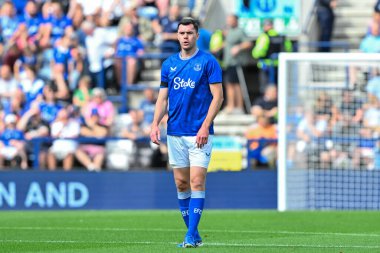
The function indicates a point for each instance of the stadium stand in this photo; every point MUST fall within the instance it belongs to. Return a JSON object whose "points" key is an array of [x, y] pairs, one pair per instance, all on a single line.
{"points": [[70, 46]]}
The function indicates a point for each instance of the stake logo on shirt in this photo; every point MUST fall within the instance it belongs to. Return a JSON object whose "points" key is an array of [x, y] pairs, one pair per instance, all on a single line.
{"points": [[181, 83]]}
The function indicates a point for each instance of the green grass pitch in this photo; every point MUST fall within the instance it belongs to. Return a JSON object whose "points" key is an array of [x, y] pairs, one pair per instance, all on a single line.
{"points": [[159, 231]]}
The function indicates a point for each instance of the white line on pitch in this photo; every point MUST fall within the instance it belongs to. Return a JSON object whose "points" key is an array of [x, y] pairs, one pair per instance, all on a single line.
{"points": [[204, 230], [247, 245]]}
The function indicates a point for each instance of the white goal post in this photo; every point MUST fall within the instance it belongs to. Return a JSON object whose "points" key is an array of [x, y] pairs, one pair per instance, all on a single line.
{"points": [[329, 128]]}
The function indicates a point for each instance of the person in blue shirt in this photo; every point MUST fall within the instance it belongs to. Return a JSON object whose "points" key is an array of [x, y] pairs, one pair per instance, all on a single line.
{"points": [[29, 26], [166, 28], [8, 22], [12, 142], [203, 43], [56, 26], [147, 106], [49, 107], [191, 92], [129, 46], [30, 86]]}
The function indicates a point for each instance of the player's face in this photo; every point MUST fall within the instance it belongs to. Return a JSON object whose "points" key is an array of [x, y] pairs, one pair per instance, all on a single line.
{"points": [[187, 36]]}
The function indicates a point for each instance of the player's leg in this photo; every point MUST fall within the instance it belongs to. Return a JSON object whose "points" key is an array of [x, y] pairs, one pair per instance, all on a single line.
{"points": [[179, 161], [196, 204], [182, 182], [199, 160]]}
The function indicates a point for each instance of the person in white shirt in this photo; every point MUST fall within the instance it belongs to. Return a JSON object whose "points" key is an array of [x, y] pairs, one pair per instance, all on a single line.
{"points": [[63, 149], [8, 84]]}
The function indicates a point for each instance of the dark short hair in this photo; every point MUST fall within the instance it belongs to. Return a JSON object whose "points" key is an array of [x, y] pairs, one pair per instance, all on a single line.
{"points": [[189, 21]]}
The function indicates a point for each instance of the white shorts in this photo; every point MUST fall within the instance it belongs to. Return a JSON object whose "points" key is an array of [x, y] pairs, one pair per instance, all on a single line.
{"points": [[184, 153], [62, 148]]}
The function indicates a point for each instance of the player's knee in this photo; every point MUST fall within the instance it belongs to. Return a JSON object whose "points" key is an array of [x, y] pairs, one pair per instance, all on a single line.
{"points": [[182, 185], [198, 183]]}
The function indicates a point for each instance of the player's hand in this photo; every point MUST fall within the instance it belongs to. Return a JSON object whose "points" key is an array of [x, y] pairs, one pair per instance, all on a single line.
{"points": [[155, 135], [202, 137]]}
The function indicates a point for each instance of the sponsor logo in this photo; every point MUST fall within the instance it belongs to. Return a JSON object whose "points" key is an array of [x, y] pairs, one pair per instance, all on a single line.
{"points": [[185, 213], [181, 83], [173, 69], [197, 210], [197, 67]]}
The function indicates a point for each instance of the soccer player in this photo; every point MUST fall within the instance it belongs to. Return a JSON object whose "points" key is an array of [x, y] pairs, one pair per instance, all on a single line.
{"points": [[191, 92]]}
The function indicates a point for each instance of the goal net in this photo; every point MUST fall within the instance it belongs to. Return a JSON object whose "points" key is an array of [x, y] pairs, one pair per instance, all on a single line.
{"points": [[329, 125]]}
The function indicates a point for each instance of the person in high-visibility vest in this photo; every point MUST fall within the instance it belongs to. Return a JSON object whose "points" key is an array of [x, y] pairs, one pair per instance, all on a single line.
{"points": [[267, 46]]}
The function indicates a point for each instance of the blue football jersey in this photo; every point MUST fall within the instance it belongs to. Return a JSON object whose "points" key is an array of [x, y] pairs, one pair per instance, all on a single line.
{"points": [[128, 46], [189, 94]]}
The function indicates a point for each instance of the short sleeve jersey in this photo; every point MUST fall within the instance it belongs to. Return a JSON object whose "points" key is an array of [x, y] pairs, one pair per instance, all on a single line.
{"points": [[189, 94], [128, 46]]}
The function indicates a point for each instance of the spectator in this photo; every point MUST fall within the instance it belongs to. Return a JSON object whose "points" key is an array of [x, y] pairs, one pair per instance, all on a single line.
{"points": [[76, 13], [267, 105], [8, 84], [309, 130], [128, 46], [98, 43], [8, 22], [48, 106], [30, 86], [15, 105], [134, 131], [76, 63], [235, 43], [142, 26], [375, 20], [216, 45], [160, 152], [203, 42], [56, 26], [83, 93], [28, 32], [62, 149], [32, 124], [165, 29], [370, 43], [373, 88], [27, 57], [147, 106], [350, 106], [12, 143], [261, 150], [324, 106], [326, 16], [371, 117], [105, 107], [92, 155], [364, 152], [267, 45], [149, 9], [90, 9]]}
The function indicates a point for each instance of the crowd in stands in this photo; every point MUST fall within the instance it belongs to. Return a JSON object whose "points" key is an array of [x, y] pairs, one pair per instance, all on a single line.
{"points": [[341, 129], [61, 60]]}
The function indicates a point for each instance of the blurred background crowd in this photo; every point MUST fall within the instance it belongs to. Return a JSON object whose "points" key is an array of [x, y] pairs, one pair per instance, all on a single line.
{"points": [[62, 61]]}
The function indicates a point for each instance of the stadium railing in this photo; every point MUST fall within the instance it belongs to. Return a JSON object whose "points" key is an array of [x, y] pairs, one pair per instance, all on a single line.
{"points": [[37, 144]]}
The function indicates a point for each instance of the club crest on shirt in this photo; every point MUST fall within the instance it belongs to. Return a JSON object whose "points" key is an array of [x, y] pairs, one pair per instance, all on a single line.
{"points": [[197, 67]]}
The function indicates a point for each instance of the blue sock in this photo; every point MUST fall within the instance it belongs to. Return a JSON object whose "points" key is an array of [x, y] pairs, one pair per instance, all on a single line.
{"points": [[195, 211], [184, 200]]}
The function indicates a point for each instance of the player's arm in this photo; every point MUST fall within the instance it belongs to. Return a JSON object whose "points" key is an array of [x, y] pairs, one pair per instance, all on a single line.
{"points": [[159, 112], [216, 103]]}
